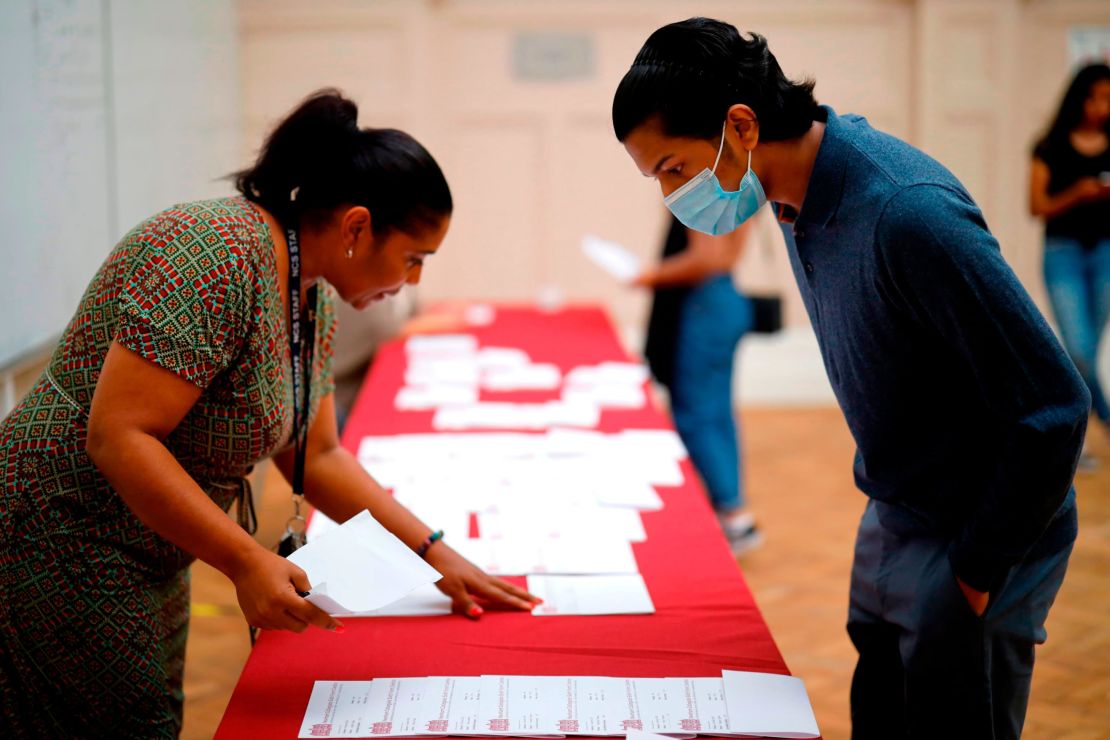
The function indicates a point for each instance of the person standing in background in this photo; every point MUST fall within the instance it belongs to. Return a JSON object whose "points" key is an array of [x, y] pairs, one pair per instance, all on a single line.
{"points": [[697, 319], [1070, 189]]}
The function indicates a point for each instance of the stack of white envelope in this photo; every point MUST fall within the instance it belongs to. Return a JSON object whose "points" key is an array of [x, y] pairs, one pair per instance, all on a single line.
{"points": [[447, 374], [738, 703]]}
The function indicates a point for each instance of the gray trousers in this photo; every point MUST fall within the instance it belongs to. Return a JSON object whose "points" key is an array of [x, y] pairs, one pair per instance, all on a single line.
{"points": [[928, 666]]}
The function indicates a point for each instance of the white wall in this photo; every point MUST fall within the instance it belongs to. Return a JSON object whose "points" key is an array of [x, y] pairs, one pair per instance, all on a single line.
{"points": [[110, 110]]}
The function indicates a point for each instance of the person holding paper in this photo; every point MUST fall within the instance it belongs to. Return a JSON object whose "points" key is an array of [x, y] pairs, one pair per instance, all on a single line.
{"points": [[967, 413], [697, 320], [181, 369]]}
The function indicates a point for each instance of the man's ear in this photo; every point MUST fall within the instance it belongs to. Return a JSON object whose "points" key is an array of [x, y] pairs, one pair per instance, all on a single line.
{"points": [[744, 124]]}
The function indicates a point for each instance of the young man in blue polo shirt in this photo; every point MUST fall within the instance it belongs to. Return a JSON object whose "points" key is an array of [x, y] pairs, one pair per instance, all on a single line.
{"points": [[967, 414]]}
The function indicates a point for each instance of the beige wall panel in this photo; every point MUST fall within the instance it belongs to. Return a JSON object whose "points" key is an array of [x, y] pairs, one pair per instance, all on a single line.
{"points": [[596, 190], [860, 67], [286, 65], [533, 164], [496, 242]]}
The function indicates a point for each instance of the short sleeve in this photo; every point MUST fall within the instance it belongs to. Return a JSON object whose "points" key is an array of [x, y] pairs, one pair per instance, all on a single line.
{"points": [[186, 305], [1043, 151]]}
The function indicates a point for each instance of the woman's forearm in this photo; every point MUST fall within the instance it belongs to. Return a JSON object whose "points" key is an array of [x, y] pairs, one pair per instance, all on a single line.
{"points": [[336, 484], [165, 498], [686, 268]]}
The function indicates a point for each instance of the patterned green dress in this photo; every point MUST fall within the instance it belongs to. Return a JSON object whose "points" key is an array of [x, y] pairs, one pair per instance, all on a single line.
{"points": [[94, 606]]}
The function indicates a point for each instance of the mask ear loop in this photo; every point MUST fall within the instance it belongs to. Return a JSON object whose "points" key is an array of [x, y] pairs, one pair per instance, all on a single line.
{"points": [[721, 149]]}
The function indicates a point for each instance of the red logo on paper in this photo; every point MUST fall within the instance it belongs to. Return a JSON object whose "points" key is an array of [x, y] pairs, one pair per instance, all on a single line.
{"points": [[568, 725], [320, 730], [381, 728], [437, 725], [632, 724], [693, 725], [499, 725]]}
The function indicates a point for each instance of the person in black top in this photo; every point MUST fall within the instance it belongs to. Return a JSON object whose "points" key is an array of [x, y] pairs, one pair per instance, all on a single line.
{"points": [[697, 320], [1070, 190]]}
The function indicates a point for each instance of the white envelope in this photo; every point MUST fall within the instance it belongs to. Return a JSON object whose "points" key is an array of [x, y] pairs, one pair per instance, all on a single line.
{"points": [[360, 566]]}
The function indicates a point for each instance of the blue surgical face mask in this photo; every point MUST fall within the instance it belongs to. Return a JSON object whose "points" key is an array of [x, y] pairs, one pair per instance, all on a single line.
{"points": [[703, 205]]}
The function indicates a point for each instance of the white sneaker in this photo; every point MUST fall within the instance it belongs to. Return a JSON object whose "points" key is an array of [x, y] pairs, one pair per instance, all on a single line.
{"points": [[1088, 463], [741, 532]]}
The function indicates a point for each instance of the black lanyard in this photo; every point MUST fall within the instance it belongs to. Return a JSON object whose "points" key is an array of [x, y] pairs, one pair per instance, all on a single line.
{"points": [[302, 346]]}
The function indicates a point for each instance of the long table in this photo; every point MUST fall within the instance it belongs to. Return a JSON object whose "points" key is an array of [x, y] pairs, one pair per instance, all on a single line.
{"points": [[706, 618]]}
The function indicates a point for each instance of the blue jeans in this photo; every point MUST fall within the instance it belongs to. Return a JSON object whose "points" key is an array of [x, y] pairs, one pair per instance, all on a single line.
{"points": [[714, 317], [1078, 282]]}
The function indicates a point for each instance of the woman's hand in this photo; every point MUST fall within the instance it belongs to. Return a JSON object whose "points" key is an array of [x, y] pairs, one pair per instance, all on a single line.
{"points": [[645, 279], [1087, 188], [266, 585], [462, 581]]}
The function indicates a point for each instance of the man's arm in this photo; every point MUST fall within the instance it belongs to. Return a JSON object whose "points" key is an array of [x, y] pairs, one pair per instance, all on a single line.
{"points": [[950, 275]]}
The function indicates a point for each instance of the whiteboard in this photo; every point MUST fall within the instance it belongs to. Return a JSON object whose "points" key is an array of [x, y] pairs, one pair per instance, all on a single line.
{"points": [[110, 111]]}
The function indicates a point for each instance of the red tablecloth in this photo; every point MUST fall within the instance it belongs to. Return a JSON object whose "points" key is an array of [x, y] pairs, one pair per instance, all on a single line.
{"points": [[705, 620]]}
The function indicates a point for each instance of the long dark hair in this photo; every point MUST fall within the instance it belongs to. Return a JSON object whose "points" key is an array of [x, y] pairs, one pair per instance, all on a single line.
{"points": [[319, 152], [1070, 113], [691, 72]]}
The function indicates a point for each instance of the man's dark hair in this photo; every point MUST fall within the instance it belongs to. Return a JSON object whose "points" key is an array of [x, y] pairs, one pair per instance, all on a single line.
{"points": [[688, 74]]}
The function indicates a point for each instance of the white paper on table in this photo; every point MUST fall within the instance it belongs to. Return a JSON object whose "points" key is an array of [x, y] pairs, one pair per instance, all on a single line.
{"points": [[389, 473], [520, 705], [654, 704], [441, 345], [502, 415], [546, 518], [605, 594], [384, 707], [608, 396], [658, 471], [768, 704], [425, 397], [560, 442], [518, 556], [538, 377], [653, 442], [619, 373], [591, 705], [631, 494], [360, 566], [703, 701], [337, 709], [453, 519], [458, 493], [426, 601], [611, 257], [489, 358], [451, 705], [479, 314], [449, 371]]}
